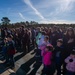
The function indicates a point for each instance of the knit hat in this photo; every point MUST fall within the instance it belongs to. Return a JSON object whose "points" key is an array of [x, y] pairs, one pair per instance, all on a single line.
{"points": [[50, 47], [60, 40]]}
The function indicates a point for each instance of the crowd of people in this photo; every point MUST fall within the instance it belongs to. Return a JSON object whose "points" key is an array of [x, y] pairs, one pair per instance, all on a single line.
{"points": [[55, 46]]}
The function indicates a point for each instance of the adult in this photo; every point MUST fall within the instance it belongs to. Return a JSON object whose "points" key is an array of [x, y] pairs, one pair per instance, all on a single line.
{"points": [[69, 44], [26, 41], [54, 36], [69, 41]]}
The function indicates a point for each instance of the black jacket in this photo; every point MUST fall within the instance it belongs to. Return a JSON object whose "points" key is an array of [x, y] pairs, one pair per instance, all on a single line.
{"points": [[59, 54]]}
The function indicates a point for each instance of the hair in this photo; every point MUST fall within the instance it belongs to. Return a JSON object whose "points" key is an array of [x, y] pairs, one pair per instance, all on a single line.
{"points": [[50, 48], [70, 29], [43, 33], [5, 38], [60, 40], [22, 26], [47, 37], [55, 27], [10, 36]]}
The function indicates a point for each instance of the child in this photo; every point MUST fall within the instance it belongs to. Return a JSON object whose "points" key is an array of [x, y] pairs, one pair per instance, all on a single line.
{"points": [[58, 55], [44, 44], [4, 48], [10, 52], [42, 47], [47, 56], [70, 60]]}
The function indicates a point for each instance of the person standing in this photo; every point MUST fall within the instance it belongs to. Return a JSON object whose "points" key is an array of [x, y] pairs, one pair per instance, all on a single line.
{"points": [[10, 52], [58, 54]]}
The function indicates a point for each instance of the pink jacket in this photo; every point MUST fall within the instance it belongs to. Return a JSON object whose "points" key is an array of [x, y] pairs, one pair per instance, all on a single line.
{"points": [[43, 46], [47, 58]]}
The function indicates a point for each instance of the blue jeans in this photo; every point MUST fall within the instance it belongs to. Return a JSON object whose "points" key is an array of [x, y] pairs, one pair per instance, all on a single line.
{"points": [[58, 66]]}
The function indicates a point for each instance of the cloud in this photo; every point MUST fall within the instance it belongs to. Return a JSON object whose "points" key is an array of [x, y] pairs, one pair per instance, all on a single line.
{"points": [[58, 22], [64, 6], [58, 10], [21, 15], [55, 7], [34, 9], [54, 11]]}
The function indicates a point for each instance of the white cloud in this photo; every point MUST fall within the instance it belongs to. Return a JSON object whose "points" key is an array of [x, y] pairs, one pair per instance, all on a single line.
{"points": [[58, 22], [53, 10], [21, 15], [46, 3], [61, 9], [65, 5], [56, 7], [34, 9]]}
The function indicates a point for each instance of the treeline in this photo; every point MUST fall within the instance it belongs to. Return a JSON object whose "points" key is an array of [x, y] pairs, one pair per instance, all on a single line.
{"points": [[5, 22], [16, 25]]}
